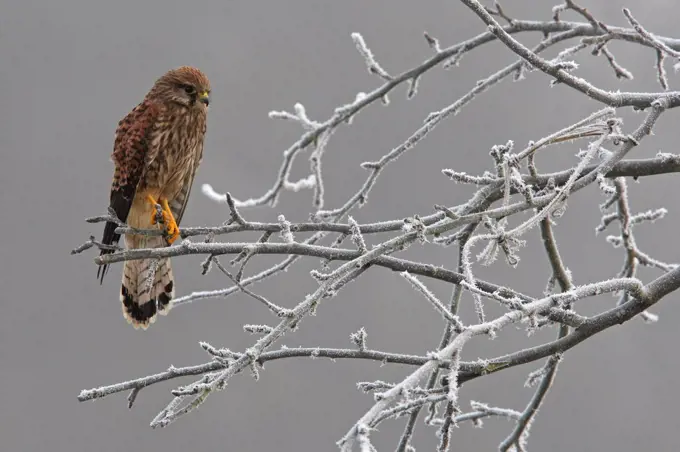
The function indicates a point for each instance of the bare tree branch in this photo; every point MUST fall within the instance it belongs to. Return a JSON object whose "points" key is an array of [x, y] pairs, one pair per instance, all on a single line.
{"points": [[512, 185]]}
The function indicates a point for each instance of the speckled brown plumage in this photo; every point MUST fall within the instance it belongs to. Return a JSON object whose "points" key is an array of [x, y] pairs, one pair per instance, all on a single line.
{"points": [[157, 150]]}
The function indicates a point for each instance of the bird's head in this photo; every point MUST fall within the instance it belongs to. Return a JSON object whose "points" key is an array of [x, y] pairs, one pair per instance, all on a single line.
{"points": [[186, 86]]}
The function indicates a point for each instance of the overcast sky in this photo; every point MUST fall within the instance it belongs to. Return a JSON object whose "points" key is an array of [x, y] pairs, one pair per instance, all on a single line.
{"points": [[71, 69]]}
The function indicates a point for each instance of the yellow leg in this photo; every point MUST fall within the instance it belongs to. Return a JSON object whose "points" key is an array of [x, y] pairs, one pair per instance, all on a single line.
{"points": [[171, 228]]}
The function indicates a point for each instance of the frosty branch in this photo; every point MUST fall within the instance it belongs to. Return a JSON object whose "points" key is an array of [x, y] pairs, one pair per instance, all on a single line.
{"points": [[513, 185]]}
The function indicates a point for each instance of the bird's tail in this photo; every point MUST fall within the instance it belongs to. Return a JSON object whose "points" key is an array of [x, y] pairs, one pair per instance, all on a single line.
{"points": [[148, 284]]}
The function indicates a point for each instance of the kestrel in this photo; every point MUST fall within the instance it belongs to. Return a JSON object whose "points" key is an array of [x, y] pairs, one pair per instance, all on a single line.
{"points": [[157, 150]]}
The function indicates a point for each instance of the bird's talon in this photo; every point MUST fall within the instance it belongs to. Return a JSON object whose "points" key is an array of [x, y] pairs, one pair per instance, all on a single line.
{"points": [[171, 233], [171, 230], [154, 214]]}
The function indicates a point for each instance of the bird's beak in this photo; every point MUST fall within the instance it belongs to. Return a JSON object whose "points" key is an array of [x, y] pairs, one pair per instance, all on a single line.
{"points": [[204, 97]]}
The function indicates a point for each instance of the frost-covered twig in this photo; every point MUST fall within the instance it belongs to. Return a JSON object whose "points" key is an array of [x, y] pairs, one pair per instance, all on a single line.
{"points": [[346, 112], [633, 255], [519, 435], [455, 321], [377, 245], [642, 296], [639, 100], [548, 372]]}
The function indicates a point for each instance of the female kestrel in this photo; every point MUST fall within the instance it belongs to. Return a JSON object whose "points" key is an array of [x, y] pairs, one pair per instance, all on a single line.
{"points": [[157, 150]]}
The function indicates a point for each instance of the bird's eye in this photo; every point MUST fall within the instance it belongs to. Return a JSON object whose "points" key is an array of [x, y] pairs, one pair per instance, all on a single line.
{"points": [[188, 89]]}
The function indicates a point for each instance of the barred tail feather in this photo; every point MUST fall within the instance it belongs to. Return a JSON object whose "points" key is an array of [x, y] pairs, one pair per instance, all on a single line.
{"points": [[148, 286]]}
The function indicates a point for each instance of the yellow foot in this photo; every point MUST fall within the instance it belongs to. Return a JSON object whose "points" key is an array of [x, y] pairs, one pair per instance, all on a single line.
{"points": [[168, 220]]}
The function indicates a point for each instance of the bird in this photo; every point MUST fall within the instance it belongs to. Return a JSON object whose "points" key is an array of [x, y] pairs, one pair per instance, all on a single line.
{"points": [[157, 149]]}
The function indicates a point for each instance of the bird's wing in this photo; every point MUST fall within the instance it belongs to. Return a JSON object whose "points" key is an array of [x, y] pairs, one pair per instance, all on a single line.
{"points": [[133, 150]]}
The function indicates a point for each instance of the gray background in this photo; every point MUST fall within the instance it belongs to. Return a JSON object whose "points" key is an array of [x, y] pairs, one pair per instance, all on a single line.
{"points": [[71, 69]]}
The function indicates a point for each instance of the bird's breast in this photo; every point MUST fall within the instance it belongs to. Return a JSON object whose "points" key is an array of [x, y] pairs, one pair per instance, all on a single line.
{"points": [[179, 148]]}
